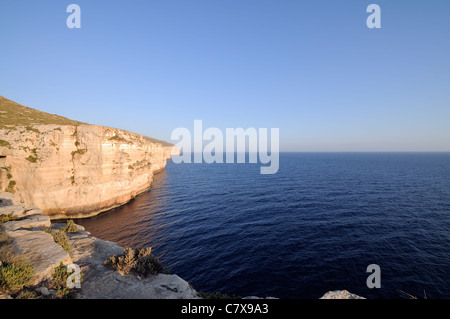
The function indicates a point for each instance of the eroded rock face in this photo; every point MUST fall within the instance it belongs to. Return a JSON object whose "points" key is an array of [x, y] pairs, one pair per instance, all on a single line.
{"points": [[76, 171]]}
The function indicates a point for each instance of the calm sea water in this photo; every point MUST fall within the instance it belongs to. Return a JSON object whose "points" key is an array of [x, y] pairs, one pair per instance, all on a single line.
{"points": [[313, 227]]}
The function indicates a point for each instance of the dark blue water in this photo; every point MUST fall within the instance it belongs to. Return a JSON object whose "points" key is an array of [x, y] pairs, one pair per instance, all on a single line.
{"points": [[313, 227]]}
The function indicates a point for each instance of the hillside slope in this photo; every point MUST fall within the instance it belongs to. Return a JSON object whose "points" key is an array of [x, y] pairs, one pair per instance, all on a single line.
{"points": [[14, 114]]}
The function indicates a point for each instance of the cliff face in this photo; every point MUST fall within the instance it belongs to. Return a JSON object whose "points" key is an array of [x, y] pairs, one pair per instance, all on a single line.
{"points": [[77, 170]]}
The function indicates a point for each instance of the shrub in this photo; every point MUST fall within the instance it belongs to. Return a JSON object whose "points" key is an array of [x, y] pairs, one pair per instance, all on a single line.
{"points": [[5, 143], [138, 261], [15, 276], [10, 188], [60, 237], [79, 151], [32, 129], [123, 263], [28, 294], [32, 159], [59, 280], [148, 265], [14, 272], [7, 218], [118, 139], [70, 227], [59, 283]]}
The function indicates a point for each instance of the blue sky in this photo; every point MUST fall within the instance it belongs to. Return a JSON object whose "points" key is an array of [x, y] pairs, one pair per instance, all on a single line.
{"points": [[310, 68]]}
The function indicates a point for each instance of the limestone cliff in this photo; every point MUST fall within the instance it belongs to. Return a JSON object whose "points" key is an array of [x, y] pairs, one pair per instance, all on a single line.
{"points": [[75, 169]]}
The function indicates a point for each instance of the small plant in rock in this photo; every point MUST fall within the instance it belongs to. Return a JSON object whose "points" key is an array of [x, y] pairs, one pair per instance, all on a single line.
{"points": [[59, 283], [28, 294], [147, 264], [10, 188], [136, 261], [14, 276], [15, 273], [32, 129], [32, 159], [5, 143], [79, 151], [60, 237], [70, 227], [7, 218], [123, 263]]}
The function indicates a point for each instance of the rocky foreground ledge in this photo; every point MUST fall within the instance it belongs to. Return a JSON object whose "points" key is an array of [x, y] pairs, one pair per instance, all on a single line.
{"points": [[27, 230], [38, 248]]}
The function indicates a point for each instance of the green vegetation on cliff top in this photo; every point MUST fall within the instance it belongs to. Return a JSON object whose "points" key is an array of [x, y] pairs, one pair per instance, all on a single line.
{"points": [[15, 114], [154, 140]]}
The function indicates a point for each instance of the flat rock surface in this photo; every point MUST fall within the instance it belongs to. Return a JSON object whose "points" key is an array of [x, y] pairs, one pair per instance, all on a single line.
{"points": [[33, 221], [39, 249], [8, 199], [19, 210], [15, 210], [100, 282], [111, 285]]}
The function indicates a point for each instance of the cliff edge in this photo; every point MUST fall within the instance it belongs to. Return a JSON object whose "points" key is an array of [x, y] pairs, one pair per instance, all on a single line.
{"points": [[71, 169], [28, 236]]}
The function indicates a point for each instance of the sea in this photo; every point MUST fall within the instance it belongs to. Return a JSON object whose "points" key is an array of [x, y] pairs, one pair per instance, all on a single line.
{"points": [[314, 226]]}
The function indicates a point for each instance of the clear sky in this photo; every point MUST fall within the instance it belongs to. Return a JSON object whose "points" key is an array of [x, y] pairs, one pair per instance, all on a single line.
{"points": [[313, 69]]}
